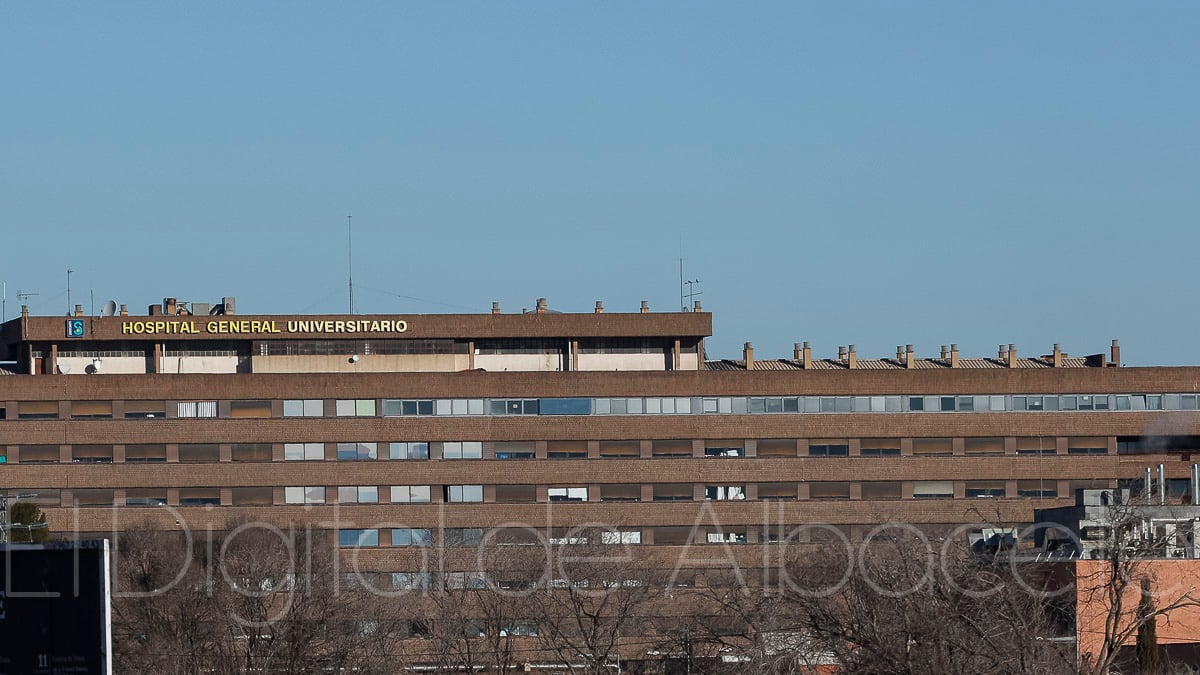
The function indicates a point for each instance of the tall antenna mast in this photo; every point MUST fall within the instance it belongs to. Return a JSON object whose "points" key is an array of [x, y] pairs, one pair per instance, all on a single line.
{"points": [[69, 273], [682, 307], [350, 260], [3, 301]]}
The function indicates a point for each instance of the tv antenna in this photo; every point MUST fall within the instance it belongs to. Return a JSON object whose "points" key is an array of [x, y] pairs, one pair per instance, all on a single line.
{"points": [[22, 296], [685, 298], [69, 273], [350, 260]]}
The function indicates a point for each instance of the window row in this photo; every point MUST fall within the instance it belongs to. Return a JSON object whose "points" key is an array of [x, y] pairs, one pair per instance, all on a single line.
{"points": [[1048, 488], [695, 405], [628, 449]]}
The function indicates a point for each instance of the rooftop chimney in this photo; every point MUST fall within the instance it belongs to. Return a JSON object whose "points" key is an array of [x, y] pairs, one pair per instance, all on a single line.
{"points": [[945, 353], [909, 358], [841, 353], [124, 309], [900, 353], [1116, 354], [851, 358], [1000, 353], [169, 306], [495, 308], [1012, 355], [78, 310], [953, 355], [541, 305], [645, 307], [154, 310], [807, 360], [1058, 356], [797, 351], [748, 355], [695, 305], [599, 307]]}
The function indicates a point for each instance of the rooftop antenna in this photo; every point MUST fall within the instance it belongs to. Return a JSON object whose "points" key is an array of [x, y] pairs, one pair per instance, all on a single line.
{"points": [[3, 301], [69, 273], [22, 296], [350, 260]]}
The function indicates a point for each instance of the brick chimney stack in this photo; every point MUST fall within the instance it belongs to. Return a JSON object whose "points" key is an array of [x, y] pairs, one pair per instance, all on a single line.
{"points": [[541, 305], [124, 310], [841, 353], [910, 360], [695, 305], [599, 307], [851, 358], [495, 308], [1058, 356], [953, 355], [900, 353], [1116, 354], [748, 355], [1000, 353], [807, 362], [78, 310], [645, 307], [1012, 355], [945, 353]]}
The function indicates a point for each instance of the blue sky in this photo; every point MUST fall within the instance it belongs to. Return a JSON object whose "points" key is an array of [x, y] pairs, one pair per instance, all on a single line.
{"points": [[867, 173]]}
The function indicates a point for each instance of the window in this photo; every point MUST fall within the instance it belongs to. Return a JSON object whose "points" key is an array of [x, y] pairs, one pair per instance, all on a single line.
{"points": [[410, 494], [828, 448], [92, 454], [398, 407], [91, 410], [409, 450], [355, 452], [725, 492], [725, 537], [672, 492], [462, 450], [240, 409], [621, 537], [1036, 446], [1087, 445], [304, 408], [463, 493], [252, 496], [1037, 488], [880, 447], [144, 453], [303, 451], [462, 580], [566, 449], [983, 446], [932, 446], [776, 447], [829, 490], [39, 454], [933, 489], [621, 493], [304, 495], [358, 538], [625, 449], [985, 489], [210, 496], [37, 410], [463, 536], [515, 406], [411, 581], [144, 409], [358, 494], [565, 406], [355, 407], [146, 497], [251, 452], [880, 489], [199, 452], [724, 452], [206, 409], [517, 450], [516, 494], [567, 494], [777, 491], [93, 497], [412, 536]]}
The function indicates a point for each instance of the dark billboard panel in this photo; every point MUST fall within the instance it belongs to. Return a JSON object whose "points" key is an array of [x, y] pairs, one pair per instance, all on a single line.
{"points": [[55, 609]]}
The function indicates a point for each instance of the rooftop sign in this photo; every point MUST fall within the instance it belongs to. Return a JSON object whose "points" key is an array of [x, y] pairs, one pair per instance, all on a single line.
{"points": [[256, 327]]}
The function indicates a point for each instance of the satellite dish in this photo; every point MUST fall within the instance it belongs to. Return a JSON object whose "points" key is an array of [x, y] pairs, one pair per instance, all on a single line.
{"points": [[64, 369], [110, 308]]}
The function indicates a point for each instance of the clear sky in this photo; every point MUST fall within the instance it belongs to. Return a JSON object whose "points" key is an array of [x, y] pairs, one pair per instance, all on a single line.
{"points": [[867, 173]]}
